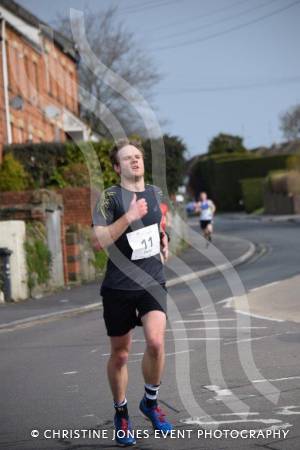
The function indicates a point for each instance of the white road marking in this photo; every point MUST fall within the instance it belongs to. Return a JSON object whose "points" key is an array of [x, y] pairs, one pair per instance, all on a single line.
{"points": [[283, 426], [166, 354], [64, 300], [198, 421], [264, 286], [216, 328], [203, 320], [240, 341], [258, 316], [95, 350], [73, 372], [89, 415], [202, 314], [219, 391], [184, 339], [132, 354], [264, 380], [288, 410], [225, 300]]}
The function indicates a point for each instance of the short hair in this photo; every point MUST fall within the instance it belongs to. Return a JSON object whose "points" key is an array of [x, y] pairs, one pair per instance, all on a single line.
{"points": [[119, 144]]}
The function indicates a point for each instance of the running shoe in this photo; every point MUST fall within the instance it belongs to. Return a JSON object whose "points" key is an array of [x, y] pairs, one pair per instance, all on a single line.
{"points": [[123, 430], [156, 416]]}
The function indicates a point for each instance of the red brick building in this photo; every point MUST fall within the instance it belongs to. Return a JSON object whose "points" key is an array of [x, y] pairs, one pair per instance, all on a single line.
{"points": [[38, 81]]}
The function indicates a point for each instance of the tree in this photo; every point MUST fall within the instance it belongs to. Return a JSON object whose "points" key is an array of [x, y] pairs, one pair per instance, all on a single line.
{"points": [[115, 47], [175, 150], [226, 143], [290, 122]]}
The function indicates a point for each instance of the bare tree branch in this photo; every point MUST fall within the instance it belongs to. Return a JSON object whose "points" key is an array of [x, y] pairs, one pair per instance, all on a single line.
{"points": [[290, 123], [118, 50]]}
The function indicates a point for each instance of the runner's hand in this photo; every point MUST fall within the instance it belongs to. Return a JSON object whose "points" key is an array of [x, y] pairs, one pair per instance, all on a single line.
{"points": [[165, 247], [137, 209]]}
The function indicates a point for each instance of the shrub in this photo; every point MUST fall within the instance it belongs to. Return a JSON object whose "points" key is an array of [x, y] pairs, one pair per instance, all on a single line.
{"points": [[51, 164], [293, 162], [13, 176], [74, 174], [284, 182], [252, 190], [38, 256], [100, 261]]}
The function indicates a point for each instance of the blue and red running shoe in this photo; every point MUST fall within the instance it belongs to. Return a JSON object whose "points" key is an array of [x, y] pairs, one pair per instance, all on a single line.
{"points": [[156, 416], [124, 434]]}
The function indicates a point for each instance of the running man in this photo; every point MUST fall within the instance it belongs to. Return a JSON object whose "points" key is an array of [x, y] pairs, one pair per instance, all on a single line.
{"points": [[207, 209], [127, 220]]}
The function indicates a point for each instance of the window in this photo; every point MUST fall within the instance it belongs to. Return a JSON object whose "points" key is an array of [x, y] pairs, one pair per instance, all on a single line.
{"points": [[14, 69], [35, 77], [27, 77]]}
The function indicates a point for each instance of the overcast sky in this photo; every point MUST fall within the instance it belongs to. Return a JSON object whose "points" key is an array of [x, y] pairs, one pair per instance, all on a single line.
{"points": [[230, 66]]}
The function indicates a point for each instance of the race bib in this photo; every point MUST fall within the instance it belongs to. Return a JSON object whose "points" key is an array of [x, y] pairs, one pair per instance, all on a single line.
{"points": [[144, 242]]}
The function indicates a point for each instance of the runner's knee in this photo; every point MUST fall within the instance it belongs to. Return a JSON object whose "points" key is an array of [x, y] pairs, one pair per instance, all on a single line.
{"points": [[119, 357], [155, 345]]}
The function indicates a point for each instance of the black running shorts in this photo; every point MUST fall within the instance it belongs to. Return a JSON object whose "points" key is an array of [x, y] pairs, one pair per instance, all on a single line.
{"points": [[204, 223], [123, 309]]}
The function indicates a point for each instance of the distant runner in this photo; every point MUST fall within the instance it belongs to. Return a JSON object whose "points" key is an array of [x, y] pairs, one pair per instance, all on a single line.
{"points": [[207, 209]]}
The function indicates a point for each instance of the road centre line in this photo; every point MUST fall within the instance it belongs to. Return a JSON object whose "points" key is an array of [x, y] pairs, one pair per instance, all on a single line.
{"points": [[201, 313], [73, 372], [288, 410], [264, 380], [166, 354], [257, 316], [203, 320], [184, 339], [215, 328], [239, 341]]}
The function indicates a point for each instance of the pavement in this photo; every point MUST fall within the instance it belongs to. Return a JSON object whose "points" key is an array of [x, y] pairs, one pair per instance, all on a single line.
{"points": [[80, 299], [295, 218], [278, 301]]}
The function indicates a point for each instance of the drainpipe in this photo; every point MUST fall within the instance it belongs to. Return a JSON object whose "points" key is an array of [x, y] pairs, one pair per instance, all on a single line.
{"points": [[5, 81]]}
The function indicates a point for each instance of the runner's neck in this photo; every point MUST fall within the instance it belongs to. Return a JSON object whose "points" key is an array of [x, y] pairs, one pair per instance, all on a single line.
{"points": [[134, 186]]}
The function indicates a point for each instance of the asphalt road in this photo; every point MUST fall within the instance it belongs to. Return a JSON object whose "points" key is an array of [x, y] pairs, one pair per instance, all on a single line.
{"points": [[225, 372]]}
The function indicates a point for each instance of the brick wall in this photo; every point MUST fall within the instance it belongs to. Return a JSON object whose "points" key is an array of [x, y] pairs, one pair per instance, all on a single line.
{"points": [[77, 205], [76, 211], [41, 79]]}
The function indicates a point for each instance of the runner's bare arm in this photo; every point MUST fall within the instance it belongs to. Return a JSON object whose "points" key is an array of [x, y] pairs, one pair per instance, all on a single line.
{"points": [[164, 246], [213, 206], [107, 234]]}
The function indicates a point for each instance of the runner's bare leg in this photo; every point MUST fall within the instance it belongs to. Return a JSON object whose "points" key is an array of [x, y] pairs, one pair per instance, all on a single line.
{"points": [[154, 324], [117, 365]]}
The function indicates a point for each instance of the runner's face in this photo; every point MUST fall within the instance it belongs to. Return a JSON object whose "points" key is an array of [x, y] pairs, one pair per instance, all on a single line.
{"points": [[131, 163]]}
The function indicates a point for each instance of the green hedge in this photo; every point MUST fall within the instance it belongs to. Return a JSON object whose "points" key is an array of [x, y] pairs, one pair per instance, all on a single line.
{"points": [[48, 163], [203, 172], [252, 191], [220, 177]]}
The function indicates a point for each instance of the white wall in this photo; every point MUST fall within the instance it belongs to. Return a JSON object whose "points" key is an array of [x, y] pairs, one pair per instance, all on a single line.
{"points": [[12, 236]]}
